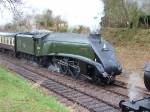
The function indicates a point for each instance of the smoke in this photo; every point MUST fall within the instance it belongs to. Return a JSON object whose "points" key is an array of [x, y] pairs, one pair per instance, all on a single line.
{"points": [[133, 91], [33, 21], [77, 12]]}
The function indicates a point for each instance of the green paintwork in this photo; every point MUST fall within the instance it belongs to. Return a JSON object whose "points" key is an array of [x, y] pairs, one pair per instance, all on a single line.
{"points": [[25, 44], [68, 48], [67, 44], [39, 47]]}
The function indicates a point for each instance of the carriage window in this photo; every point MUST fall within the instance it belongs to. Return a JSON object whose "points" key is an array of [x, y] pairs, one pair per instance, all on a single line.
{"points": [[4, 40], [7, 41], [13, 41], [10, 41], [1, 39]]}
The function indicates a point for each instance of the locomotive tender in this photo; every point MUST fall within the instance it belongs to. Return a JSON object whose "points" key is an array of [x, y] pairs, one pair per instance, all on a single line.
{"points": [[67, 53]]}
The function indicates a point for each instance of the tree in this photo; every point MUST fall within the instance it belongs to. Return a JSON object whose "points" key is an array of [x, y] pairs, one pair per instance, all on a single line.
{"points": [[11, 5], [122, 13], [49, 22], [81, 29], [60, 25], [114, 14], [45, 20]]}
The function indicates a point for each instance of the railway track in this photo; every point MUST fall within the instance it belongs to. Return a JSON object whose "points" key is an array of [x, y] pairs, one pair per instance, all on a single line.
{"points": [[91, 103], [81, 91]]}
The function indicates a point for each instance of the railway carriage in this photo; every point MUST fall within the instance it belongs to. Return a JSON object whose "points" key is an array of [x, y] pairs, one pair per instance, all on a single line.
{"points": [[69, 53], [7, 41]]}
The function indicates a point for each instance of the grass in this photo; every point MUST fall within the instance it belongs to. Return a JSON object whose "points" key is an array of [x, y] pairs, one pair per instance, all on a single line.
{"points": [[16, 95], [126, 36]]}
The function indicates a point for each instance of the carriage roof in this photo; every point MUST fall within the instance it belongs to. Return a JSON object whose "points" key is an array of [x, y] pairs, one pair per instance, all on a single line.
{"points": [[7, 34]]}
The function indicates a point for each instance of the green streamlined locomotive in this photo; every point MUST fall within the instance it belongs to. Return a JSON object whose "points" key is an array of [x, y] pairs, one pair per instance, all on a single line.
{"points": [[67, 53]]}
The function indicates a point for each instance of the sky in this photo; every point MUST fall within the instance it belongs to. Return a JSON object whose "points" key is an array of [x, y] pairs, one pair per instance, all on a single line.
{"points": [[76, 12]]}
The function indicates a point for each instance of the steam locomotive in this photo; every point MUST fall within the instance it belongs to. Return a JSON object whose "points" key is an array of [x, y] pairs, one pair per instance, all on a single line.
{"points": [[141, 105], [66, 53]]}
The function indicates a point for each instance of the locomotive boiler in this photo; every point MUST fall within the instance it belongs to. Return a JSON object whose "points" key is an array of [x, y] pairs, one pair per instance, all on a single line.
{"points": [[66, 53]]}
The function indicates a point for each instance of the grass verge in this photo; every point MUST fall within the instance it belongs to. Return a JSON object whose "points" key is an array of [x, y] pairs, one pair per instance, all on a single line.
{"points": [[16, 95]]}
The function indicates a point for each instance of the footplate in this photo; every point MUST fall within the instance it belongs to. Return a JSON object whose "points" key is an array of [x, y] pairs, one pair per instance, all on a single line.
{"points": [[142, 105]]}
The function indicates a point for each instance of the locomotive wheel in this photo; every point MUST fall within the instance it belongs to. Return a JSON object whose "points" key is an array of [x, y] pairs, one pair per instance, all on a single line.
{"points": [[54, 68], [58, 66], [95, 78], [147, 80], [107, 80], [74, 72], [63, 69], [111, 80]]}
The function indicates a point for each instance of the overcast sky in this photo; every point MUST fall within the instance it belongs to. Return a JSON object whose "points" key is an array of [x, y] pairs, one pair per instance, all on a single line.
{"points": [[76, 12]]}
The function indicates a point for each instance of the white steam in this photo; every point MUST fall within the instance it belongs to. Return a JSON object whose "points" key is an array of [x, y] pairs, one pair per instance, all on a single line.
{"points": [[33, 21], [133, 91], [76, 12]]}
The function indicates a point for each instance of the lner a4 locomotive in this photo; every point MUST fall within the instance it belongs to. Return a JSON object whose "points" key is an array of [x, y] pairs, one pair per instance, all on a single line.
{"points": [[67, 53]]}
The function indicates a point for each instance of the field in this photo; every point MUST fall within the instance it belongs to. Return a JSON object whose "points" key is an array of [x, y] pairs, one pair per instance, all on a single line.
{"points": [[16, 95]]}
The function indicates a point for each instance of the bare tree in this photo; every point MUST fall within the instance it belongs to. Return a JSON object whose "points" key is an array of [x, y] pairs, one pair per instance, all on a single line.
{"points": [[125, 11], [81, 29], [11, 5]]}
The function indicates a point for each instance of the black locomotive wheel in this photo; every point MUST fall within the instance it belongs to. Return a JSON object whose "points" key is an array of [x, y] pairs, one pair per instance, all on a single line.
{"points": [[64, 66], [58, 66], [111, 80], [74, 71], [147, 80], [108, 80], [96, 79], [63, 69]]}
